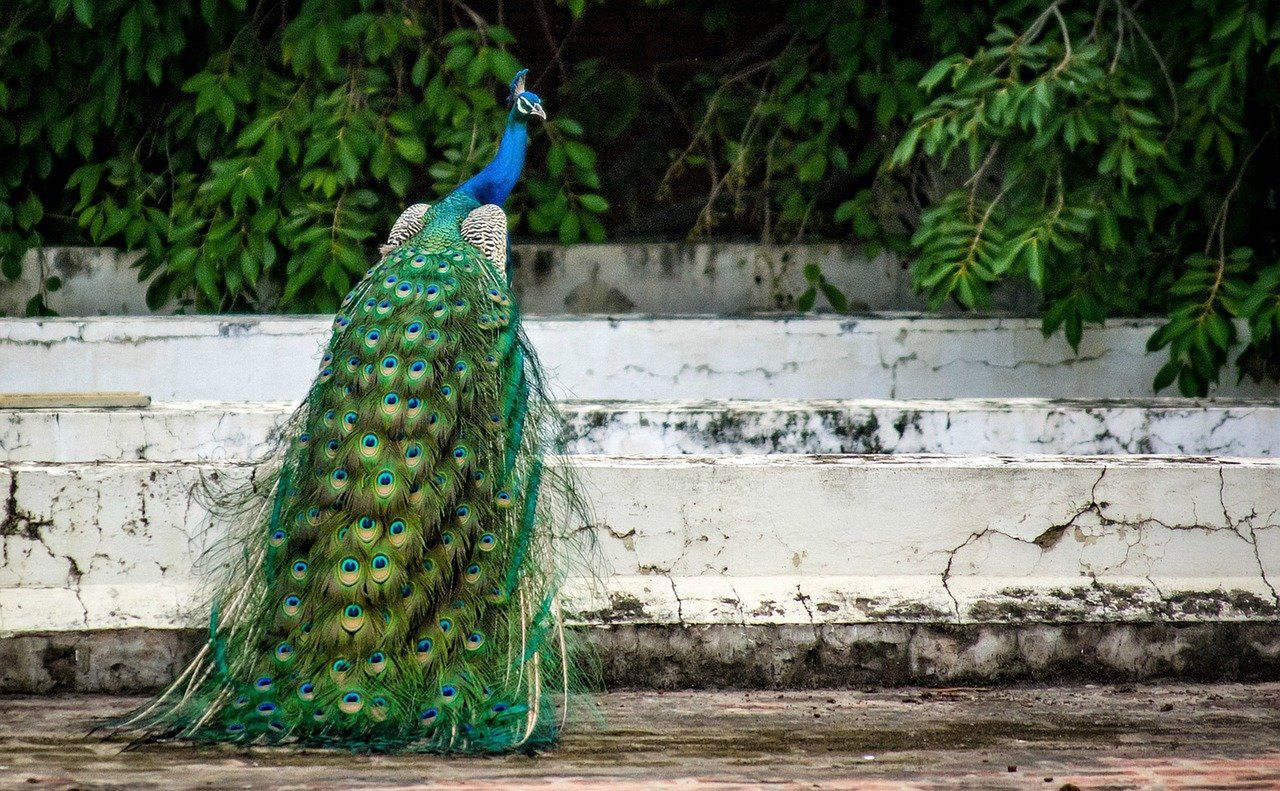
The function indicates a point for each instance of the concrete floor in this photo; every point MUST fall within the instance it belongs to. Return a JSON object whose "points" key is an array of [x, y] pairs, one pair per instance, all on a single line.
{"points": [[1160, 736]]}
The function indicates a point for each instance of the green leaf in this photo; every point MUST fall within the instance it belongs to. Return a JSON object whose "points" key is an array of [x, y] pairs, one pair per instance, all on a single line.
{"points": [[412, 149], [812, 168], [1220, 331], [1073, 329], [84, 11], [593, 203], [835, 296], [1165, 376], [804, 303], [570, 229], [11, 266], [1189, 384], [936, 73], [580, 154], [207, 278], [459, 57], [568, 126]]}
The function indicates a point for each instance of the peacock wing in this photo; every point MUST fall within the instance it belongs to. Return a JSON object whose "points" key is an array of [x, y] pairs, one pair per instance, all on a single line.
{"points": [[485, 227], [406, 226]]}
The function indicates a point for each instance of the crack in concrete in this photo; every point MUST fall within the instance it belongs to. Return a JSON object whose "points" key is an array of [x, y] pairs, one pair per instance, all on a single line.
{"points": [[17, 522], [1052, 535]]}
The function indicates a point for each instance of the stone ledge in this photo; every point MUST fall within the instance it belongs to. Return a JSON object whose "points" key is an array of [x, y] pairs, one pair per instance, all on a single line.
{"points": [[198, 431], [247, 358], [764, 540], [671, 657]]}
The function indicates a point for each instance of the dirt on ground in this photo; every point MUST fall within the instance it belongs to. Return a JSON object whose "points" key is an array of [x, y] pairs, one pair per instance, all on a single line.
{"points": [[1176, 736]]}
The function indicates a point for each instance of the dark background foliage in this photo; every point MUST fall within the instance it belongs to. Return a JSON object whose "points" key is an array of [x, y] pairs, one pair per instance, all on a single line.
{"points": [[1117, 155]]}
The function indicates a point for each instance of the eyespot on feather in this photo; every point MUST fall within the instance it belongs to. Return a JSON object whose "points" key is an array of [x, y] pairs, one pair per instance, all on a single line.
{"points": [[367, 529], [380, 568], [385, 483], [353, 618], [397, 533], [349, 571], [351, 702], [422, 649]]}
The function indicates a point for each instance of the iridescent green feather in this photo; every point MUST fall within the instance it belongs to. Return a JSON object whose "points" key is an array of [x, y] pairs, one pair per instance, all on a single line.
{"points": [[397, 587]]}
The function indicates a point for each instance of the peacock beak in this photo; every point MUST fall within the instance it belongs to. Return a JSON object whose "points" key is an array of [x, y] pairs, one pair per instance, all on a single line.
{"points": [[538, 111]]}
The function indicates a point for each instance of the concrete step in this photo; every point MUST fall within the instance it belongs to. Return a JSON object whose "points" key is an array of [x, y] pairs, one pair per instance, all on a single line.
{"points": [[195, 431], [740, 541], [639, 358]]}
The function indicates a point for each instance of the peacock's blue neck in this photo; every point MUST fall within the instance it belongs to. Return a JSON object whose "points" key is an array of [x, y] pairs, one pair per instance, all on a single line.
{"points": [[499, 177]]}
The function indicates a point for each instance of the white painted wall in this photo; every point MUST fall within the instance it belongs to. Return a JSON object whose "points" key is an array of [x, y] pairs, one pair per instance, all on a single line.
{"points": [[908, 356], [196, 431], [766, 539]]}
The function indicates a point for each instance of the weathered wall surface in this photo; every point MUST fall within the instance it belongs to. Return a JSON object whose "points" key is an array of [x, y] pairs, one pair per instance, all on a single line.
{"points": [[889, 570], [631, 277], [92, 281], [264, 359], [726, 279], [667, 657], [196, 431], [764, 540]]}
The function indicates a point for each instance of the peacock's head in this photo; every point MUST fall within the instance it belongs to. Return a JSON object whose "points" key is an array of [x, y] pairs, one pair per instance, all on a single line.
{"points": [[524, 103]]}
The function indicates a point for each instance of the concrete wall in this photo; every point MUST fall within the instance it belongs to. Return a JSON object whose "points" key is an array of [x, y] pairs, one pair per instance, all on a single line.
{"points": [[553, 279], [907, 356], [743, 541], [726, 278], [196, 431], [94, 281]]}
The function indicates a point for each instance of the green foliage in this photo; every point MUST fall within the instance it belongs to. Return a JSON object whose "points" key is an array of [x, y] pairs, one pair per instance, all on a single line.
{"points": [[1113, 155], [1104, 148], [818, 284], [255, 149]]}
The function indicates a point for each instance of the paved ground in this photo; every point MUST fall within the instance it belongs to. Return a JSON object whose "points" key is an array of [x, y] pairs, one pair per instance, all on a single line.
{"points": [[1163, 736]]}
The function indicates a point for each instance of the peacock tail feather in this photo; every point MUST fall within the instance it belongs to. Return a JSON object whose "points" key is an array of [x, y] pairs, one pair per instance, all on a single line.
{"points": [[397, 584]]}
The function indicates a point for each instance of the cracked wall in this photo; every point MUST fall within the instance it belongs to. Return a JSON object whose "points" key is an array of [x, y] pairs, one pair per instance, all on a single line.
{"points": [[769, 540], [199, 431], [903, 356]]}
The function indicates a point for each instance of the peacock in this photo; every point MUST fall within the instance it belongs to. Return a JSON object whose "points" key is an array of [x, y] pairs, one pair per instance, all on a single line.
{"points": [[396, 580]]}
